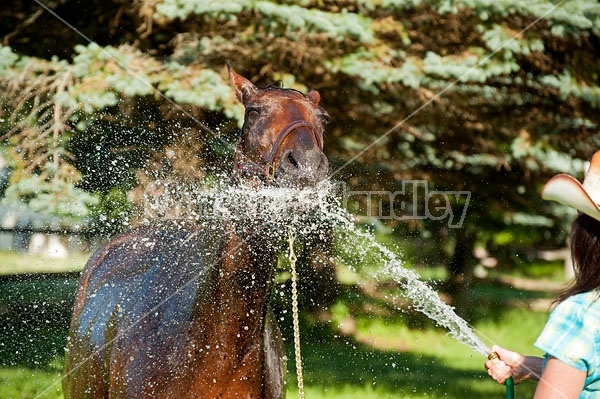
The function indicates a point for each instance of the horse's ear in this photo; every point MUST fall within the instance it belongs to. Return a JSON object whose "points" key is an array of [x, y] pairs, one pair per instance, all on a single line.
{"points": [[314, 96], [244, 89]]}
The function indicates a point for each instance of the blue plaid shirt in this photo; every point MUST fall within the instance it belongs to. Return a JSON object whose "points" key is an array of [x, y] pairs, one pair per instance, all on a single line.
{"points": [[572, 335]]}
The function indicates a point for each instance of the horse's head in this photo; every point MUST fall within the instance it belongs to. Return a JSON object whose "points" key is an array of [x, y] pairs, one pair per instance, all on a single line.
{"points": [[282, 137]]}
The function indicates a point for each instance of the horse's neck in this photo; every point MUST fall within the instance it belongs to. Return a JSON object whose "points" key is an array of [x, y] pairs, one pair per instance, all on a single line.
{"points": [[241, 280], [230, 317]]}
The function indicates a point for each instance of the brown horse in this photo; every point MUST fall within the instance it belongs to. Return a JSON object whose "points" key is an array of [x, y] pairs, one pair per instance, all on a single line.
{"points": [[181, 310]]}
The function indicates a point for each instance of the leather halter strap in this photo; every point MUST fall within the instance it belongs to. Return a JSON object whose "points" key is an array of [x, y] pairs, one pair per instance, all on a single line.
{"points": [[289, 129], [244, 165]]}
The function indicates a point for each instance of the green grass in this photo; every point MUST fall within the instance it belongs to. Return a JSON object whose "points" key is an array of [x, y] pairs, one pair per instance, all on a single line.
{"points": [[34, 316], [402, 355], [391, 353], [549, 270], [31, 351], [14, 262], [390, 360], [22, 383]]}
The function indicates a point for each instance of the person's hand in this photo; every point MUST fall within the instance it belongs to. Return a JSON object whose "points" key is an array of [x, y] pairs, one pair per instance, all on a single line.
{"points": [[507, 365]]}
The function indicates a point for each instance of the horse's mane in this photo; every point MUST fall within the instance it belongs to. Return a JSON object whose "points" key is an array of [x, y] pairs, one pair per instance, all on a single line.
{"points": [[278, 85]]}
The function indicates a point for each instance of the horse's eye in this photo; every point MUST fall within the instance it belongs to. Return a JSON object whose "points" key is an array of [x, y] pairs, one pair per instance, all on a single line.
{"points": [[252, 112]]}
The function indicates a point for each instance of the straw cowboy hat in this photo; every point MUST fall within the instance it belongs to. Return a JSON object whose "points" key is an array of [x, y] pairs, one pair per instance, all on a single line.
{"points": [[583, 197]]}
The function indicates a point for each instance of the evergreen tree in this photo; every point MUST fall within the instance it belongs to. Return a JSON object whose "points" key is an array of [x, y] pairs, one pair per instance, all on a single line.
{"points": [[490, 97]]}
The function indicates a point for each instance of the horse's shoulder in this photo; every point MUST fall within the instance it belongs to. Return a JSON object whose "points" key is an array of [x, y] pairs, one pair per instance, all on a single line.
{"points": [[148, 264]]}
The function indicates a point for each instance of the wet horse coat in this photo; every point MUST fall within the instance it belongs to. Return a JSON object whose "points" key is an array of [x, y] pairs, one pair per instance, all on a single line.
{"points": [[181, 309]]}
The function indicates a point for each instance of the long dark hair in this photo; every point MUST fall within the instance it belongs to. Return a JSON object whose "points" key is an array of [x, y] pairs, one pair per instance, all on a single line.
{"points": [[585, 253]]}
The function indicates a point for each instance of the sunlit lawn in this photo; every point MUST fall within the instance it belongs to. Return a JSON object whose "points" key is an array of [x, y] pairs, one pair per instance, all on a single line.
{"points": [[13, 262], [385, 358], [386, 355]]}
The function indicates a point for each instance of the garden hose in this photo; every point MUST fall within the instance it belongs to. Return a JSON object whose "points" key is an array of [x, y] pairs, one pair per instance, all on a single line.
{"points": [[509, 383]]}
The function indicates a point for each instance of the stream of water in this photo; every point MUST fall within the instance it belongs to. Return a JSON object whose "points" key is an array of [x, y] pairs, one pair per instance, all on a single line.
{"points": [[423, 298], [279, 206]]}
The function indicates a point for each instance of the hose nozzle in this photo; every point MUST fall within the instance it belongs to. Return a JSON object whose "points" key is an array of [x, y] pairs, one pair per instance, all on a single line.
{"points": [[509, 383]]}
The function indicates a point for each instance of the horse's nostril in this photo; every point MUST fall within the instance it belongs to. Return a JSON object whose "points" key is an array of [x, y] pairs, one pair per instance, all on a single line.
{"points": [[302, 168], [292, 160]]}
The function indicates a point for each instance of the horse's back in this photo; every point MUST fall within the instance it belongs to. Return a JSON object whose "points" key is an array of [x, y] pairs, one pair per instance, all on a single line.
{"points": [[135, 297]]}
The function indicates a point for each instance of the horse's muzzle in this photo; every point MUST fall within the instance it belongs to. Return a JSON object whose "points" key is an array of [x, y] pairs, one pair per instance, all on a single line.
{"points": [[303, 167]]}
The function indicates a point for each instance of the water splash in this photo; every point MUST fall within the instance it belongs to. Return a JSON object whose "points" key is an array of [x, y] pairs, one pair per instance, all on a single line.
{"points": [[424, 299], [282, 206], [219, 199]]}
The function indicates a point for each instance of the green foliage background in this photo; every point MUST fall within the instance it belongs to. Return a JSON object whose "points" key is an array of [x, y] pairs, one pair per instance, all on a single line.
{"points": [[492, 97]]}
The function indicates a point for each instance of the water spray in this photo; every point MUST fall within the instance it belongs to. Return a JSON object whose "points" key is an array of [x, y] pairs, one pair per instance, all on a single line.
{"points": [[246, 205], [424, 298]]}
